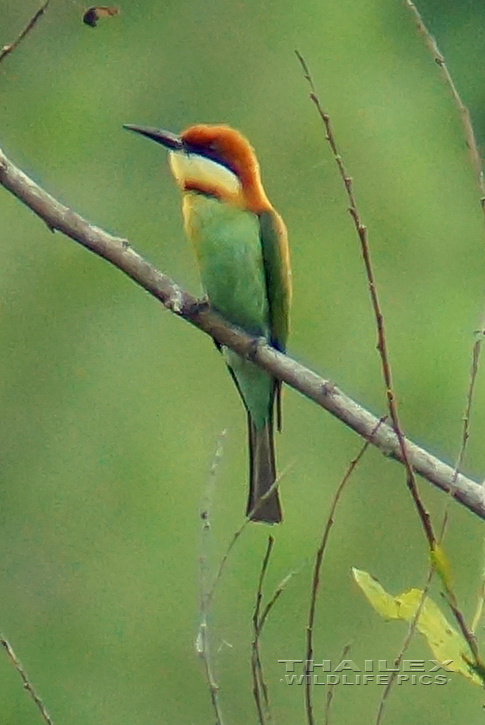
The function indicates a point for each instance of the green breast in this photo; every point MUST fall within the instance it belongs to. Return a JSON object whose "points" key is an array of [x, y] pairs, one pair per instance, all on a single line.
{"points": [[228, 247]]}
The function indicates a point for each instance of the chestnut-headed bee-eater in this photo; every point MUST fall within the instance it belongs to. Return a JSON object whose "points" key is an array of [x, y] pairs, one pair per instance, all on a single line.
{"points": [[241, 247]]}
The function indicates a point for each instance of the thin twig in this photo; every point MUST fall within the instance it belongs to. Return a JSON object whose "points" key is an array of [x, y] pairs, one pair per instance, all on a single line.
{"points": [[118, 252], [203, 650], [237, 534], [210, 591], [466, 426], [274, 598], [28, 687], [206, 506], [465, 429], [361, 230], [406, 642], [469, 401], [257, 676], [450, 597], [477, 165], [479, 609], [331, 689], [385, 365], [413, 623], [259, 620], [463, 110], [202, 643], [480, 604], [460, 619], [7, 49], [316, 575]]}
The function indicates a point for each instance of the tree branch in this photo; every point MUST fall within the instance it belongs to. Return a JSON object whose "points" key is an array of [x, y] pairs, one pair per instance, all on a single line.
{"points": [[382, 346], [28, 687], [118, 252], [7, 49]]}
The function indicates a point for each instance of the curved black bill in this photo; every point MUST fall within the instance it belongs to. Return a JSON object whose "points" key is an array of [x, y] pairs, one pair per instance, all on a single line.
{"points": [[166, 138]]}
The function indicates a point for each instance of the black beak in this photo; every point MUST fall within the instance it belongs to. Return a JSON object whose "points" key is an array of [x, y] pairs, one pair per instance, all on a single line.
{"points": [[166, 138]]}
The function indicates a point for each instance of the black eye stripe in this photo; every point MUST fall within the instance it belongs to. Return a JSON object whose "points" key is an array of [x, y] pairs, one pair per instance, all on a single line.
{"points": [[208, 154]]}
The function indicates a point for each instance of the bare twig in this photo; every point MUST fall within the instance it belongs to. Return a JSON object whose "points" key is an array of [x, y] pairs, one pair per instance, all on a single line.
{"points": [[331, 689], [406, 642], [28, 687], [477, 166], [118, 252], [466, 425], [202, 643], [257, 676], [274, 598], [361, 230], [462, 109], [259, 620], [236, 535], [413, 624], [479, 609], [316, 575], [206, 505], [7, 49], [469, 400], [460, 620], [203, 650], [480, 604]]}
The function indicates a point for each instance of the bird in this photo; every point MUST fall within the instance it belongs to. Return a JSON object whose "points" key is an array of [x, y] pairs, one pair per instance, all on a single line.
{"points": [[241, 247]]}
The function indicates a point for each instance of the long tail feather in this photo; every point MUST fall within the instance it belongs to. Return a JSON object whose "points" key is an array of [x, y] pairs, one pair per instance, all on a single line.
{"points": [[262, 474]]}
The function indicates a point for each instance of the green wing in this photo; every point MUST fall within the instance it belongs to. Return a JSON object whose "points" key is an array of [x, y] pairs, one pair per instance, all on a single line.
{"points": [[278, 275], [276, 259]]}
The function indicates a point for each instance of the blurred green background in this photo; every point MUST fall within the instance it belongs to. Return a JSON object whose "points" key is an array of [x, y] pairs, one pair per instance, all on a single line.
{"points": [[111, 407]]}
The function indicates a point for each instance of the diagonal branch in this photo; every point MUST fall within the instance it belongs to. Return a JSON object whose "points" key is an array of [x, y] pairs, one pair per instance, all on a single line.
{"points": [[118, 252], [382, 346], [466, 120], [477, 165], [317, 566], [7, 49], [28, 687]]}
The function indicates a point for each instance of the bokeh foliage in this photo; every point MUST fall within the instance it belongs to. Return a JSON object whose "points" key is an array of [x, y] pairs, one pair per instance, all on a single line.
{"points": [[110, 407]]}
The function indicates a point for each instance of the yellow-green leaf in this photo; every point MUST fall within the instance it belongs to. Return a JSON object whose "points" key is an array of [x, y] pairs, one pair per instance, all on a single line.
{"points": [[444, 641]]}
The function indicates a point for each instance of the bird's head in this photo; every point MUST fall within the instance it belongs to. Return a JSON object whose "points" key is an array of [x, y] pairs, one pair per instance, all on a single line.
{"points": [[215, 160]]}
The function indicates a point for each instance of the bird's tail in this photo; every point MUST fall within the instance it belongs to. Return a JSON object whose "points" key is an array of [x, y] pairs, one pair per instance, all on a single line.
{"points": [[262, 474]]}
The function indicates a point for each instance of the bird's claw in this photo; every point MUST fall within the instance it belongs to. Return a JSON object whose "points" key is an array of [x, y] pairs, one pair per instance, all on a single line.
{"points": [[254, 346], [200, 305]]}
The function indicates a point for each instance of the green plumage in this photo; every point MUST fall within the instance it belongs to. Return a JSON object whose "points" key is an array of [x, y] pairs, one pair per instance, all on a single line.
{"points": [[243, 255], [236, 278], [228, 248]]}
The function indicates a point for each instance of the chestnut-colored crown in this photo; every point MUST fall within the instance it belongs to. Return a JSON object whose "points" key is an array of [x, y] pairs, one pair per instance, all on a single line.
{"points": [[230, 148]]}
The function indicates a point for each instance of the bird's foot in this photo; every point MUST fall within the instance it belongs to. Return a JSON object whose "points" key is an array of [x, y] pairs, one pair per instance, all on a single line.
{"points": [[254, 346], [200, 305]]}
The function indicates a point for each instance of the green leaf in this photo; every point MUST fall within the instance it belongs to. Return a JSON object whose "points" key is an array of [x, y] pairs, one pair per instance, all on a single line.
{"points": [[444, 641]]}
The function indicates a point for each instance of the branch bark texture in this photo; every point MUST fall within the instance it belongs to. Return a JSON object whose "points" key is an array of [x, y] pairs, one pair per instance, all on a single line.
{"points": [[118, 252]]}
